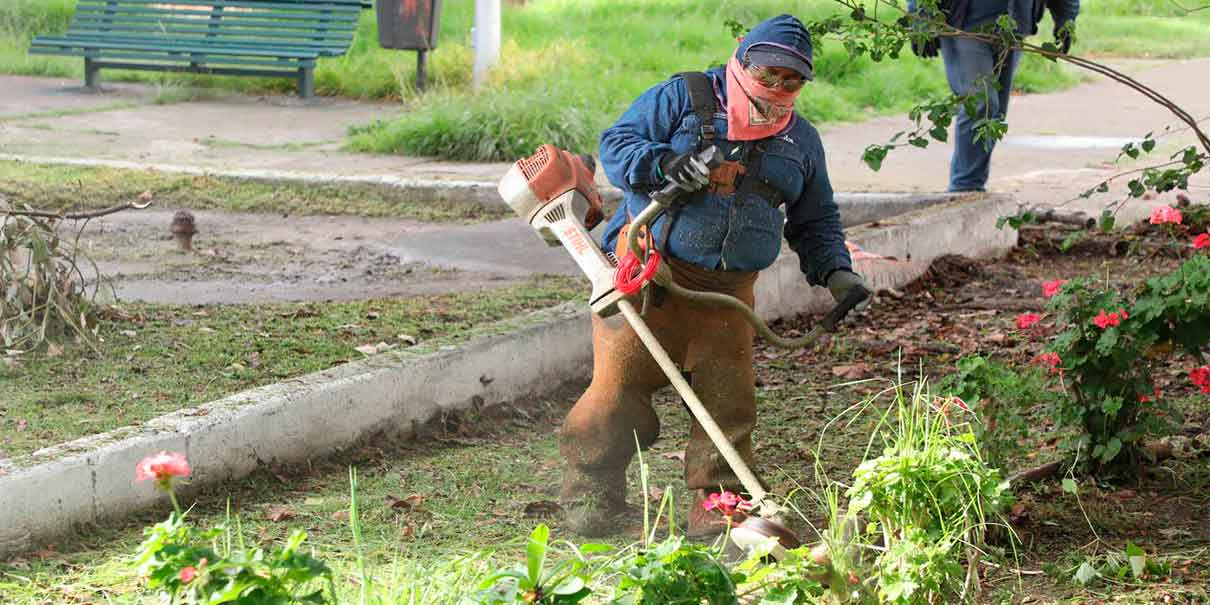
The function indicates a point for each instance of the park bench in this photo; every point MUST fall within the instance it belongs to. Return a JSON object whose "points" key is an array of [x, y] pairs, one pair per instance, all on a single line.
{"points": [[276, 38]]}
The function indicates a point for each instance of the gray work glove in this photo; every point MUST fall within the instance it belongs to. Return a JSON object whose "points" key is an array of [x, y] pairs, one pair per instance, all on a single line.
{"points": [[843, 280], [684, 170]]}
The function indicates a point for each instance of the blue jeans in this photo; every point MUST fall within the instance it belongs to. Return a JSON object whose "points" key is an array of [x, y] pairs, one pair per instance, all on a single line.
{"points": [[971, 65]]}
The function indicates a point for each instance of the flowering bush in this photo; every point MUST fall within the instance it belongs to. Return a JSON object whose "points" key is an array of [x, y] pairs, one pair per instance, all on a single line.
{"points": [[180, 561], [1107, 356]]}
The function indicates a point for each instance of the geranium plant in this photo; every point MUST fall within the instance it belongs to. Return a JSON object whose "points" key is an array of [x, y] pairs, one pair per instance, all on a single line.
{"points": [[1109, 351], [182, 562]]}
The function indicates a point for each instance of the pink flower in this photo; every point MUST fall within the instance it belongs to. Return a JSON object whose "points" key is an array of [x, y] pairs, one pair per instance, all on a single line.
{"points": [[188, 574], [1166, 214], [1052, 287], [1049, 360], [1026, 321], [162, 467], [1201, 242], [942, 404], [726, 503]]}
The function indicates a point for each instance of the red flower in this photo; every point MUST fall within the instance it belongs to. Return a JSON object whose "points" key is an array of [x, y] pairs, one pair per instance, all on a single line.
{"points": [[1166, 214], [1148, 398], [1026, 321], [162, 467], [188, 574], [726, 503], [1050, 360], [1200, 376], [1052, 287], [1105, 320], [1201, 242]]}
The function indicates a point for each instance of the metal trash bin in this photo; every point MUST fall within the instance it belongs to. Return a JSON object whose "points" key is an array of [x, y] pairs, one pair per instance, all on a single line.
{"points": [[410, 25]]}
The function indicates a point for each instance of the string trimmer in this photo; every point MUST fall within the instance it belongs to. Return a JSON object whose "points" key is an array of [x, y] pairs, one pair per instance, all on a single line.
{"points": [[555, 192]]}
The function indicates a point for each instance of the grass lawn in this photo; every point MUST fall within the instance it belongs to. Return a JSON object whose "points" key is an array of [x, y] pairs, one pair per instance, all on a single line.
{"points": [[570, 67], [63, 187], [156, 359]]}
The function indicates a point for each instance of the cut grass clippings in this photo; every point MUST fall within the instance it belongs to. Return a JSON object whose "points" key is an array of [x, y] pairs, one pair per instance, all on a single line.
{"points": [[156, 359], [63, 187], [570, 67]]}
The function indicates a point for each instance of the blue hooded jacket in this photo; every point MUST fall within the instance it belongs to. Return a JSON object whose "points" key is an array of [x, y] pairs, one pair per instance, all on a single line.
{"points": [[716, 231]]}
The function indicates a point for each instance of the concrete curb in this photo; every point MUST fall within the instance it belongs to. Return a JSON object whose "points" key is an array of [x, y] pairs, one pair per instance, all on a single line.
{"points": [[91, 480], [856, 208]]}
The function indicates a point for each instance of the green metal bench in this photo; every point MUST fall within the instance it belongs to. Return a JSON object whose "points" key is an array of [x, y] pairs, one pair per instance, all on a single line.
{"points": [[278, 38]]}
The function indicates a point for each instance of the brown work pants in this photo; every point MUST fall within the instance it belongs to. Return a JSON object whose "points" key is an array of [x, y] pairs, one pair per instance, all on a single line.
{"points": [[712, 343]]}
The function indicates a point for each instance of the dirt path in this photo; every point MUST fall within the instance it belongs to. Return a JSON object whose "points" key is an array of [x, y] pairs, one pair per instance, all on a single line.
{"points": [[1058, 146], [263, 258]]}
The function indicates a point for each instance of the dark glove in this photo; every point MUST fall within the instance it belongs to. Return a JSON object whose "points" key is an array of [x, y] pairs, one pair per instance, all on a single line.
{"points": [[684, 170], [843, 280], [927, 49], [1064, 35]]}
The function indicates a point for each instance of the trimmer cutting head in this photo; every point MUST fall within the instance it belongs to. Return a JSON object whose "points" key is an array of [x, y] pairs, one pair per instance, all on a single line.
{"points": [[754, 531]]}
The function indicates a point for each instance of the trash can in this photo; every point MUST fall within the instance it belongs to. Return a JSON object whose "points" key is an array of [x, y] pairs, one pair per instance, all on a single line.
{"points": [[410, 25]]}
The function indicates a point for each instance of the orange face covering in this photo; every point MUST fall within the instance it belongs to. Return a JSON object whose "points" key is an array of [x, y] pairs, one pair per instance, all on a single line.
{"points": [[755, 111]]}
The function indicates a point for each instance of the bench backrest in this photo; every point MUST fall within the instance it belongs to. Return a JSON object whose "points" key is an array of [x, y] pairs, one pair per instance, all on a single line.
{"points": [[326, 26]]}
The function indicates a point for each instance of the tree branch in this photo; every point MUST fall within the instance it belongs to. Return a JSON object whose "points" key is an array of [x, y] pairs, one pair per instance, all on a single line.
{"points": [[76, 215]]}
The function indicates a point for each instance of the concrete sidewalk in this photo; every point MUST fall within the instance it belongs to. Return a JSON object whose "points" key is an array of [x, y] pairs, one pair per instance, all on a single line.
{"points": [[1058, 144]]}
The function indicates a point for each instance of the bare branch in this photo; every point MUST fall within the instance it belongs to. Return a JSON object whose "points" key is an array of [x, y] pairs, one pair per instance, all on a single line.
{"points": [[77, 215]]}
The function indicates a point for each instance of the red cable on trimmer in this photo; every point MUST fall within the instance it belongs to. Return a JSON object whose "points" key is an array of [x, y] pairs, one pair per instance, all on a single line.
{"points": [[632, 273]]}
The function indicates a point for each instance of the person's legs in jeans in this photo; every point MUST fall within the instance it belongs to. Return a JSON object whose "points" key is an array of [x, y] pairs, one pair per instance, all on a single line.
{"points": [[970, 66]]}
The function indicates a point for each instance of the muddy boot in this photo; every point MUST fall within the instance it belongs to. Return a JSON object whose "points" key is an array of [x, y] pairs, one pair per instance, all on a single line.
{"points": [[594, 506]]}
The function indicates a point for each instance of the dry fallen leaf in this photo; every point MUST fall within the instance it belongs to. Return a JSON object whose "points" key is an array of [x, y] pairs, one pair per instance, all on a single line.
{"points": [[254, 359], [340, 515], [278, 513], [855, 371], [145, 196], [543, 508], [53, 350], [21, 424], [655, 494], [410, 503], [677, 455], [374, 349]]}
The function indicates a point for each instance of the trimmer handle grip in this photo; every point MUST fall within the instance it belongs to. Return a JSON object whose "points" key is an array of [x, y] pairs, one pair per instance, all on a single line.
{"points": [[711, 156], [856, 296]]}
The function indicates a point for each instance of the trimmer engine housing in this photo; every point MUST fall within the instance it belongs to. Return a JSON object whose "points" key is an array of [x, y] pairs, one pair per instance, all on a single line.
{"points": [[555, 192]]}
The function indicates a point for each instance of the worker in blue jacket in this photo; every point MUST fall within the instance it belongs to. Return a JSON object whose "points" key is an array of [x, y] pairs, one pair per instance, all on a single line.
{"points": [[973, 65], [773, 183]]}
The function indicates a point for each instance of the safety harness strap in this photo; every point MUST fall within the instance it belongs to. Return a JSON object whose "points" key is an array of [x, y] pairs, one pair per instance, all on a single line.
{"points": [[701, 98]]}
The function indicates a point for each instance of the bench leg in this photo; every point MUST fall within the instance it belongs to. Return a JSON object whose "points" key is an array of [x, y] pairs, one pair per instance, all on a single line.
{"points": [[92, 75], [306, 82]]}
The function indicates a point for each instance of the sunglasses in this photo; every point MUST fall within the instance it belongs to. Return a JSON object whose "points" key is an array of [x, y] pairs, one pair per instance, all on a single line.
{"points": [[772, 80]]}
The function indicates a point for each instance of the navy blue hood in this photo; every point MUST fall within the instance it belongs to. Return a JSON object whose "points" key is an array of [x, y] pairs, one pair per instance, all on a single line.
{"points": [[782, 41]]}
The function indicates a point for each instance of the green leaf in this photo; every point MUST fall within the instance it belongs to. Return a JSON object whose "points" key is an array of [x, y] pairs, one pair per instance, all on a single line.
{"points": [[1112, 449], [874, 155], [1107, 220], [1069, 486], [1148, 145], [1138, 560], [1085, 574], [1136, 188], [535, 552], [940, 133]]}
